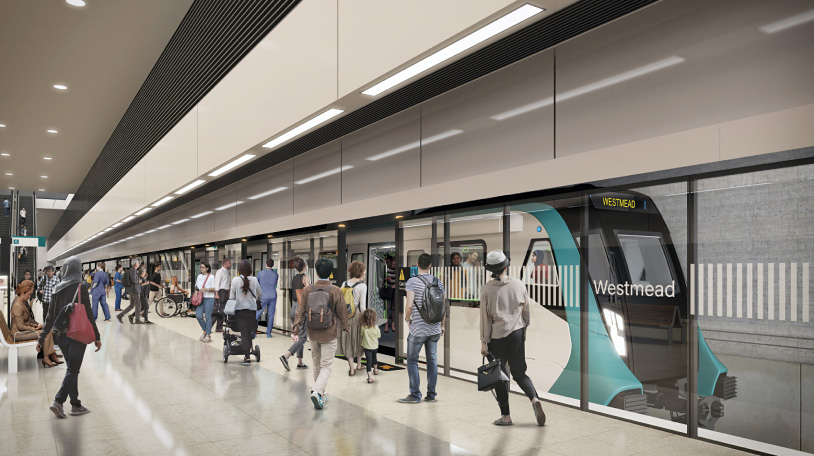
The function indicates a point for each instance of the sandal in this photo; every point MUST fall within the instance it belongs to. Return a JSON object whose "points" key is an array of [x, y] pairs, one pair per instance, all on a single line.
{"points": [[375, 371], [501, 422], [369, 380], [351, 372]]}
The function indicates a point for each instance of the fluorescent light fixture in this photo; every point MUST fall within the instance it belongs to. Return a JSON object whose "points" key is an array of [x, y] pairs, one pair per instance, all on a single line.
{"points": [[44, 177], [107, 229], [190, 187], [138, 235], [144, 211], [60, 87], [162, 201], [128, 219], [53, 131], [415, 144], [76, 2], [303, 127], [322, 175], [11, 188], [9, 174], [787, 23], [42, 189], [2, 125], [116, 225], [473, 39], [45, 158], [180, 221], [234, 164], [5, 154], [162, 227], [592, 87], [270, 192], [151, 231], [223, 208], [201, 214]]}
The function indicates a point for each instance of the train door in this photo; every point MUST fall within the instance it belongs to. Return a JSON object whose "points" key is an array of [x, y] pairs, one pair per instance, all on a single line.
{"points": [[380, 264]]}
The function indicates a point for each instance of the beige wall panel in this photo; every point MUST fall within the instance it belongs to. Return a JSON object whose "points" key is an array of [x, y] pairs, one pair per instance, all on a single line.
{"points": [[679, 65], [225, 207], [483, 126], [164, 234], [290, 75], [377, 36], [317, 180], [172, 162], [385, 157], [201, 217], [773, 132], [266, 195]]}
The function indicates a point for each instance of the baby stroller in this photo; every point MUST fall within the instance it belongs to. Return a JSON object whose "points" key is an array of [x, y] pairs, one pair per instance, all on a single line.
{"points": [[232, 340]]}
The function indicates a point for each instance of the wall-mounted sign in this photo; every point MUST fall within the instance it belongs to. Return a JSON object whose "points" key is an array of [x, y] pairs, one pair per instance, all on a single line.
{"points": [[214, 248], [28, 241], [619, 202]]}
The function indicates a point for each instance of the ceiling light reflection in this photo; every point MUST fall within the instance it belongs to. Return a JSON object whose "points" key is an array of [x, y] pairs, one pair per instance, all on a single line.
{"points": [[270, 192], [787, 23], [201, 214], [415, 144], [323, 175]]}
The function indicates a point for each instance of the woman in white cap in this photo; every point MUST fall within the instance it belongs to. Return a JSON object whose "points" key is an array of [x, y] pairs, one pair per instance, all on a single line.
{"points": [[504, 311]]}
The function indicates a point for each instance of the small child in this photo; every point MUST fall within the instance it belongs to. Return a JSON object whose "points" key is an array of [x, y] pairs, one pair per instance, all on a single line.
{"points": [[370, 341]]}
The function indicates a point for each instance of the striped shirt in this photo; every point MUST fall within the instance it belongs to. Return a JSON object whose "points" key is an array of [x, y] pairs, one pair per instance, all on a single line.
{"points": [[418, 327]]}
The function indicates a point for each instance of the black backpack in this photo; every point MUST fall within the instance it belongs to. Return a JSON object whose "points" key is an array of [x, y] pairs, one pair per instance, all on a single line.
{"points": [[127, 281], [433, 308]]}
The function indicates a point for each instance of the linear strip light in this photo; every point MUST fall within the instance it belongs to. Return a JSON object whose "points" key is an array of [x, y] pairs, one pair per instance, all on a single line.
{"points": [[473, 39], [116, 225], [592, 87], [180, 221], [322, 175], [107, 229], [162, 227], [303, 127], [229, 166], [415, 144], [144, 211], [270, 192], [190, 187], [200, 215], [787, 23], [162, 201], [128, 219], [227, 206]]}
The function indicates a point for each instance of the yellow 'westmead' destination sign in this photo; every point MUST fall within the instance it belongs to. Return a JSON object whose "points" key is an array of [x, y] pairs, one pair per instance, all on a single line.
{"points": [[619, 202]]}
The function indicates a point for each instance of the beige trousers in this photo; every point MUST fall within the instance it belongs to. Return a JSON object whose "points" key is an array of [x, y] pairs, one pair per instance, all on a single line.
{"points": [[323, 357]]}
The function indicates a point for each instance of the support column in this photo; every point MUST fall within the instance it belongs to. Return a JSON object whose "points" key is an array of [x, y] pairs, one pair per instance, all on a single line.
{"points": [[447, 334], [341, 255], [584, 316], [397, 306], [692, 323]]}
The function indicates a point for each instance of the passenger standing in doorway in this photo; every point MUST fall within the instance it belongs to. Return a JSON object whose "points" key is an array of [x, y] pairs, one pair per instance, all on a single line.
{"points": [[298, 284], [222, 284], [6, 206], [389, 292], [22, 216], [350, 343], [47, 285], [268, 283], [206, 285], [422, 334], [322, 299], [134, 291], [117, 285], [245, 290], [504, 316], [98, 291]]}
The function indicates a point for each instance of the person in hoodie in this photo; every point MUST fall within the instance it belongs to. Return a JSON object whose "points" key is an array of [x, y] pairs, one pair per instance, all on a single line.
{"points": [[72, 289]]}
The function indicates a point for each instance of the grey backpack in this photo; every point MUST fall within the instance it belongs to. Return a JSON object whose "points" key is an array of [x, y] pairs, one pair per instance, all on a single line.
{"points": [[318, 308], [433, 308]]}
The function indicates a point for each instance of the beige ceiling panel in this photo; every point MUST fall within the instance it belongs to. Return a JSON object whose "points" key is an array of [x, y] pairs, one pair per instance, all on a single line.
{"points": [[290, 75], [171, 164], [377, 36]]}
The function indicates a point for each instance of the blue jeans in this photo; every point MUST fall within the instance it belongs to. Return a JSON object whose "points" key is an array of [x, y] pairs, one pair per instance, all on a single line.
{"points": [[95, 306], [271, 305], [205, 309], [118, 298], [430, 344]]}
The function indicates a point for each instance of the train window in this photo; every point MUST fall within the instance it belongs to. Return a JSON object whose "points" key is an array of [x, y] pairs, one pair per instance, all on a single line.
{"points": [[598, 265], [645, 259], [472, 252], [412, 257], [330, 255], [539, 266], [360, 257]]}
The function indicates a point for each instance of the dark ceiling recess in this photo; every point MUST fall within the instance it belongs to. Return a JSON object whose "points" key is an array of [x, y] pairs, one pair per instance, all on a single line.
{"points": [[556, 28], [211, 39]]}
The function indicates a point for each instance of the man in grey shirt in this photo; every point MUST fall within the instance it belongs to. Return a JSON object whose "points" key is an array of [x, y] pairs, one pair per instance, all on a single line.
{"points": [[135, 296]]}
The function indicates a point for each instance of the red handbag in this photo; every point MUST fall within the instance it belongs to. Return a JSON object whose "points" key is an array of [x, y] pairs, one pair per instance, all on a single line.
{"points": [[80, 328], [197, 298]]}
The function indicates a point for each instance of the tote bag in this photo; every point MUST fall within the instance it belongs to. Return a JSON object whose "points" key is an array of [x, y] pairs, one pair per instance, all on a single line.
{"points": [[197, 298], [80, 328]]}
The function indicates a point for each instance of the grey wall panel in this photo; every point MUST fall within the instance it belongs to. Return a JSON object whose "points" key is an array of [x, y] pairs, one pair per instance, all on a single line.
{"points": [[385, 157], [486, 125], [266, 195], [162, 235], [201, 217], [317, 178], [678, 65], [225, 207]]}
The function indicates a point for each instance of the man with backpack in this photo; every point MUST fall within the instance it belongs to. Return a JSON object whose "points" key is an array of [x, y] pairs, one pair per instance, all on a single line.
{"points": [[322, 309], [426, 315], [131, 283]]}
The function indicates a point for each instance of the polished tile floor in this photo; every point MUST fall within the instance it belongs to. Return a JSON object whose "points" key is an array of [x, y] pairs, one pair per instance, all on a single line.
{"points": [[158, 390]]}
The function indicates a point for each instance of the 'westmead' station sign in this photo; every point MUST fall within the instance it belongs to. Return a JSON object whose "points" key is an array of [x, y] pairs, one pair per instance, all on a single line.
{"points": [[604, 287]]}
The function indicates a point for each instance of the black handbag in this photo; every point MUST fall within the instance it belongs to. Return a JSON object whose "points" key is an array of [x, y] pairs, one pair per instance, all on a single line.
{"points": [[491, 374], [386, 293]]}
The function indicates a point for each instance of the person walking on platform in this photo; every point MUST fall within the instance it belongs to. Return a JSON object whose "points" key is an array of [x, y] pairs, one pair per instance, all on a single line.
{"points": [[69, 291], [98, 291], [117, 286], [133, 285], [205, 283], [422, 334], [298, 284], [155, 285], [47, 285], [245, 290], [145, 303], [504, 314], [350, 343], [322, 308], [268, 283], [222, 283]]}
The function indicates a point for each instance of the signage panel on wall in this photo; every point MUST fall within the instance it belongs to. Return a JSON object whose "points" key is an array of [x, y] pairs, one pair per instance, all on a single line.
{"points": [[28, 241]]}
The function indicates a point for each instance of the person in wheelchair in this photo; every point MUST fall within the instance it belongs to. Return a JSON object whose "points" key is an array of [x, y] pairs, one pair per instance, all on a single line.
{"points": [[175, 289]]}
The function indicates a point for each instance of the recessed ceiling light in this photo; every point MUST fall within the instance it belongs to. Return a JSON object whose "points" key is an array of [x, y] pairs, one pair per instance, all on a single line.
{"points": [[190, 187], [53, 131], [302, 128], [60, 87], [42, 189], [144, 211], [9, 174], [2, 125], [46, 158], [6, 155], [107, 229], [128, 219], [117, 224], [235, 163], [44, 177], [180, 221], [161, 201], [11, 188], [76, 2]]}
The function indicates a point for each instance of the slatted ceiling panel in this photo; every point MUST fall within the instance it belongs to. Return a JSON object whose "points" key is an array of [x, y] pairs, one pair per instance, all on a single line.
{"points": [[211, 39], [555, 28]]}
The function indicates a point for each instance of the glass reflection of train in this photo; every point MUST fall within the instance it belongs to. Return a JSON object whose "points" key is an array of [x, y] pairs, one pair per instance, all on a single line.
{"points": [[637, 305]]}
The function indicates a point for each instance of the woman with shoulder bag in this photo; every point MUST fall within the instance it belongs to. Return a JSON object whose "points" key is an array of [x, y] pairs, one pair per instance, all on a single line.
{"points": [[205, 284], [350, 342], [245, 291], [504, 319], [71, 290]]}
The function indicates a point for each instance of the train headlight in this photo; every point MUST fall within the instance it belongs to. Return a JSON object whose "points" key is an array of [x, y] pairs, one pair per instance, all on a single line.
{"points": [[616, 329]]}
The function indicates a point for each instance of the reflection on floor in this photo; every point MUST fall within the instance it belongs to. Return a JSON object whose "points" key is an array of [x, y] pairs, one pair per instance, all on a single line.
{"points": [[158, 390]]}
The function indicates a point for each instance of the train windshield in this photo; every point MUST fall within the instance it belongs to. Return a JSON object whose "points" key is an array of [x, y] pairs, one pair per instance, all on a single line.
{"points": [[598, 265], [646, 259]]}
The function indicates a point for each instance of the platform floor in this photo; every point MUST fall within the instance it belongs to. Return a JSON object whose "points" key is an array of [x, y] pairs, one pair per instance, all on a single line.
{"points": [[157, 390]]}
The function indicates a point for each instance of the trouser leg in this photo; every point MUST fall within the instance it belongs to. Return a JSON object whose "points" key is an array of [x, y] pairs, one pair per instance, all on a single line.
{"points": [[223, 296], [105, 307], [74, 353], [209, 307], [246, 321], [431, 351], [298, 347], [95, 306], [118, 299], [272, 308], [134, 299], [413, 347], [325, 362], [517, 364]]}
